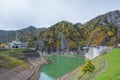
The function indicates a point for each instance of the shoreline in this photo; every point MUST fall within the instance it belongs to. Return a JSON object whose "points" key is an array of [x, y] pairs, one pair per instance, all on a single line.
{"points": [[38, 63], [67, 75], [34, 72]]}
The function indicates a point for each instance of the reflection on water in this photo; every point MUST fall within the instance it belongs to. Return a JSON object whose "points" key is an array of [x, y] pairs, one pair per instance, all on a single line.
{"points": [[44, 76]]}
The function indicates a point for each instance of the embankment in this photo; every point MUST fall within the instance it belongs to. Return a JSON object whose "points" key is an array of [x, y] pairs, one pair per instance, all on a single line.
{"points": [[37, 63], [19, 73]]}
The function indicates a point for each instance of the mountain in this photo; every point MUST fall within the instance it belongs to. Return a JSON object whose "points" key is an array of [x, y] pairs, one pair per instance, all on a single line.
{"points": [[102, 30], [6, 36]]}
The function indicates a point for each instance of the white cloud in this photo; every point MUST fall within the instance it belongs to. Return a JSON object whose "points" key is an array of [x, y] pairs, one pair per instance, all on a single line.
{"points": [[12, 8], [43, 13]]}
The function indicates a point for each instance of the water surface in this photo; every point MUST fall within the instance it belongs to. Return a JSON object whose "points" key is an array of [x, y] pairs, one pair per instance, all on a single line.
{"points": [[60, 65]]}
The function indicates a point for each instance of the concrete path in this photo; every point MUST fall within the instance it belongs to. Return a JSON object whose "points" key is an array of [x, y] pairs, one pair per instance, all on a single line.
{"points": [[102, 70]]}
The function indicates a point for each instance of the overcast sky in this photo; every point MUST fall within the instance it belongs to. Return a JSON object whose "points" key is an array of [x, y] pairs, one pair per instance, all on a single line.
{"points": [[18, 14]]}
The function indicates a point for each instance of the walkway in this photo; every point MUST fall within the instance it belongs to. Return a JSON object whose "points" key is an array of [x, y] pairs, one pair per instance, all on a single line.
{"points": [[103, 69]]}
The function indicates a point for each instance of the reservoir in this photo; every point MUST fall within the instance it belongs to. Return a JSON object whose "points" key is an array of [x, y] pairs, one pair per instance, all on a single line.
{"points": [[61, 65]]}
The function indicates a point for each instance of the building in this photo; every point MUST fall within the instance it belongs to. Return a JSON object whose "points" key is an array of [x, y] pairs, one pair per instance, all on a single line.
{"points": [[18, 44]]}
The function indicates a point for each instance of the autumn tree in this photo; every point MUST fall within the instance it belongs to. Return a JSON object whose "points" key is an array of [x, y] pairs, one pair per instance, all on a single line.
{"points": [[88, 67]]}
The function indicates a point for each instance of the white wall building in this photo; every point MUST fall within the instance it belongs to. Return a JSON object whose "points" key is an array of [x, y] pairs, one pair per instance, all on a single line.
{"points": [[18, 44]]}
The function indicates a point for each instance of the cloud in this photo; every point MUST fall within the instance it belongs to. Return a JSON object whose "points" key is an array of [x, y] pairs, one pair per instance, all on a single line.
{"points": [[17, 14]]}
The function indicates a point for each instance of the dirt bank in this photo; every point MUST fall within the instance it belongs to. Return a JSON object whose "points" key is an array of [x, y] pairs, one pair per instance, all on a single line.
{"points": [[19, 73], [37, 63]]}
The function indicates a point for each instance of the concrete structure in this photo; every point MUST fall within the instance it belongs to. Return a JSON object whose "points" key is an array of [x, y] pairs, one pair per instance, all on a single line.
{"points": [[118, 45], [94, 52], [18, 44]]}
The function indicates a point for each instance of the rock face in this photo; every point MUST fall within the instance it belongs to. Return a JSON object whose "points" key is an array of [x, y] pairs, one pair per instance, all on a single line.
{"points": [[118, 31], [114, 17]]}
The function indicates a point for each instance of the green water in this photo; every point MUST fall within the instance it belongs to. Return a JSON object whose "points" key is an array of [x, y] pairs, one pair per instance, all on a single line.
{"points": [[61, 65]]}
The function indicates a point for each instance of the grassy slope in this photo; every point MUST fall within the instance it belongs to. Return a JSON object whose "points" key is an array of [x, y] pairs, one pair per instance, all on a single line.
{"points": [[113, 70], [9, 59], [10, 62], [61, 65], [98, 62]]}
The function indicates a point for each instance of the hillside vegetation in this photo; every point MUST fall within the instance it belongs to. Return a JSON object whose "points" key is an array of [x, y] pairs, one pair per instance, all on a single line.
{"points": [[10, 62], [11, 58], [52, 36]]}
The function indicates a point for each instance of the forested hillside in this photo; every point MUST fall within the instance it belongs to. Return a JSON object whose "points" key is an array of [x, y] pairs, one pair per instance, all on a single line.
{"points": [[103, 30], [64, 29]]}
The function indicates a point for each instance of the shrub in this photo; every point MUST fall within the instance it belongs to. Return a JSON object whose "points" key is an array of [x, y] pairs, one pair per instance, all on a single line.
{"points": [[88, 67]]}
